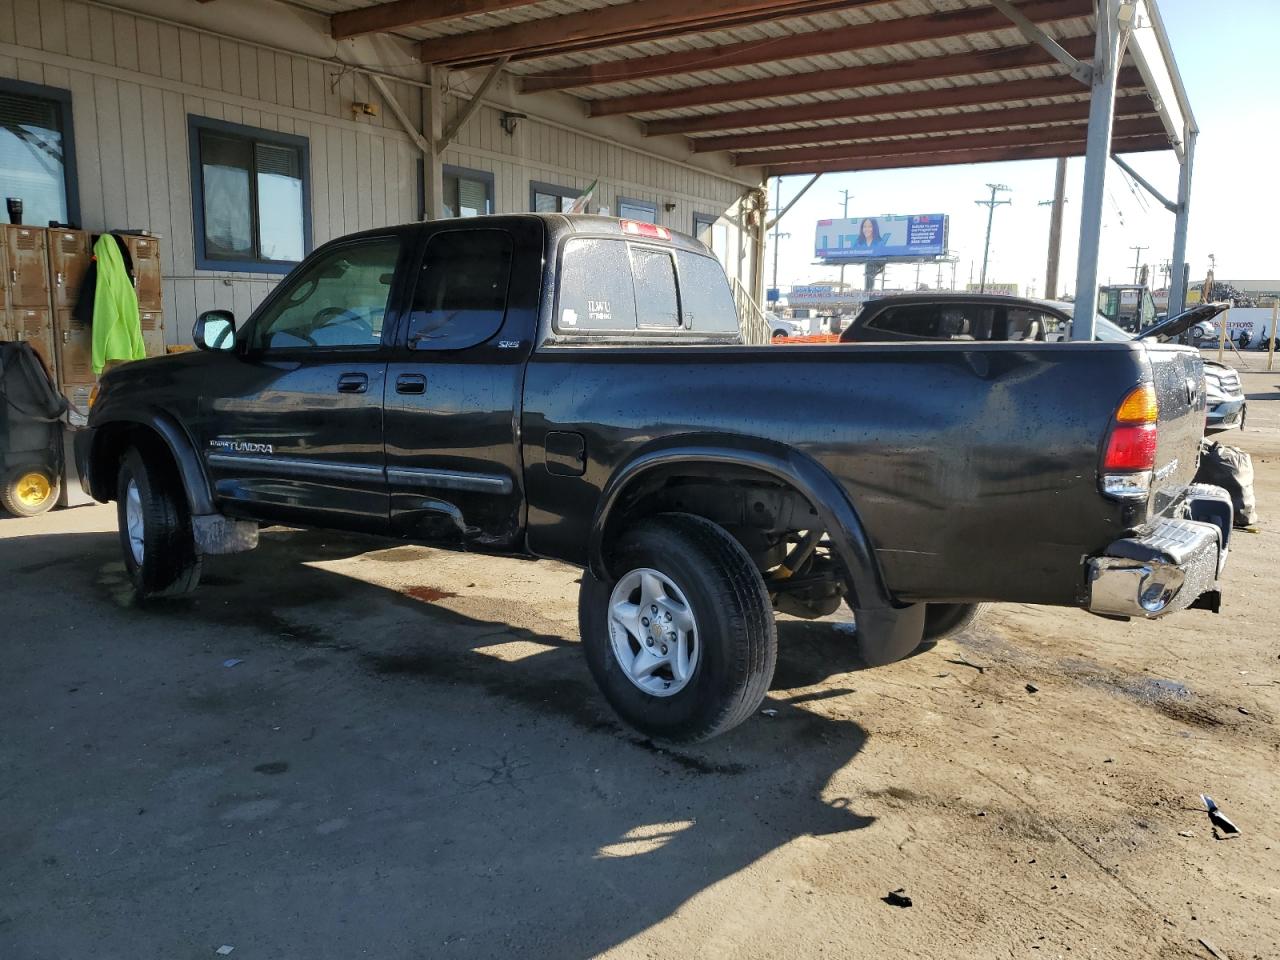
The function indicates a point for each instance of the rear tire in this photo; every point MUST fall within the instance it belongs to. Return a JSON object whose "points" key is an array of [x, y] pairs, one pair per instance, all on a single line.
{"points": [[730, 648], [29, 490], [159, 547], [944, 619]]}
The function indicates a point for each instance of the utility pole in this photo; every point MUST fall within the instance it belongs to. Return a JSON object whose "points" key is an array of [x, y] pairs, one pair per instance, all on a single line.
{"points": [[1055, 228], [847, 195], [777, 235], [991, 212], [1166, 268], [1137, 262]]}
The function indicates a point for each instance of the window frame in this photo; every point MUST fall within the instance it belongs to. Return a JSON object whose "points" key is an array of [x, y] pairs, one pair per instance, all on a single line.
{"points": [[195, 125], [550, 189], [391, 321], [490, 194], [652, 207], [62, 98], [700, 221]]}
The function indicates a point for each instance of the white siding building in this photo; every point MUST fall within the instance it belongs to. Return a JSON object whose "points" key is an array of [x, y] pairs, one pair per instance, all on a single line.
{"points": [[237, 131]]}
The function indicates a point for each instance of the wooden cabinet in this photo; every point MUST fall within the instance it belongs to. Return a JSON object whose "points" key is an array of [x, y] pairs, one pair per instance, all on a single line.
{"points": [[69, 256], [26, 266], [75, 350], [32, 325], [41, 274], [145, 252]]}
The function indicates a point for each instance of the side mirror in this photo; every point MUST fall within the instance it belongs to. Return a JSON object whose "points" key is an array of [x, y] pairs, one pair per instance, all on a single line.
{"points": [[215, 330]]}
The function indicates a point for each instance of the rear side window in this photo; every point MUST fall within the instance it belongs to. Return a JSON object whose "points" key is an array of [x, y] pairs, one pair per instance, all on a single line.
{"points": [[706, 303], [654, 276], [609, 285], [595, 287], [460, 299]]}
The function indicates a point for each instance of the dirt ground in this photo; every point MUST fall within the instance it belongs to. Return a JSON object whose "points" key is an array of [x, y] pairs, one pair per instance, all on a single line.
{"points": [[342, 747]]}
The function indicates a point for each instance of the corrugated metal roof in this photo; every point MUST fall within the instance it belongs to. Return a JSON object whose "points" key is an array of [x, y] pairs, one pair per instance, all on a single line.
{"points": [[696, 82]]}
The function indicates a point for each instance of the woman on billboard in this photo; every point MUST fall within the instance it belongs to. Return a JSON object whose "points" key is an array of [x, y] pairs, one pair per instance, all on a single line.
{"points": [[869, 236]]}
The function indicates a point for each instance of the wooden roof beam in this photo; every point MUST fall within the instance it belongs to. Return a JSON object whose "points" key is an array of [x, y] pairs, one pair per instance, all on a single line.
{"points": [[880, 33], [398, 14], [613, 25], [1072, 148], [845, 78], [1001, 91], [1126, 106], [1063, 133]]}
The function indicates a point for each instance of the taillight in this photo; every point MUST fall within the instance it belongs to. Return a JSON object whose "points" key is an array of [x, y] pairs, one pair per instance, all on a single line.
{"points": [[1130, 453], [639, 228]]}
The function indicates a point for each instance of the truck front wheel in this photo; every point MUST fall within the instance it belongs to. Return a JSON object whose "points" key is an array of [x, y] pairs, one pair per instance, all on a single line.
{"points": [[683, 643], [159, 547]]}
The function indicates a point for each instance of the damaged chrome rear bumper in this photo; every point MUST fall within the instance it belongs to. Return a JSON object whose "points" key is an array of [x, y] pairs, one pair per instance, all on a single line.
{"points": [[1170, 566]]}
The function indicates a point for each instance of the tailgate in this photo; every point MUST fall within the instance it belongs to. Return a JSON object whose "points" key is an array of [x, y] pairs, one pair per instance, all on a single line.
{"points": [[1178, 375]]}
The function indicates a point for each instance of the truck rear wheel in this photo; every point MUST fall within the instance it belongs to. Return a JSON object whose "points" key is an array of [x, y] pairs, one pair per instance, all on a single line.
{"points": [[683, 643], [944, 619], [159, 547], [29, 490]]}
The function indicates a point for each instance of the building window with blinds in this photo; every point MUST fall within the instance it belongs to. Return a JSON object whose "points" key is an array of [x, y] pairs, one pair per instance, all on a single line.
{"points": [[548, 198], [250, 196], [37, 154], [467, 193], [632, 209]]}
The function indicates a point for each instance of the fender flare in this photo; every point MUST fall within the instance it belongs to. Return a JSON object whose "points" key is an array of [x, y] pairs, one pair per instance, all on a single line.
{"points": [[195, 483], [809, 478]]}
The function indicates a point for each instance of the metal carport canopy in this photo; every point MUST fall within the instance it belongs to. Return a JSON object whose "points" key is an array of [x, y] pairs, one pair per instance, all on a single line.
{"points": [[813, 86]]}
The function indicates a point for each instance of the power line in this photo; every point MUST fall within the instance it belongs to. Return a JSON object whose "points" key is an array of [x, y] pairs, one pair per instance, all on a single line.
{"points": [[991, 212]]}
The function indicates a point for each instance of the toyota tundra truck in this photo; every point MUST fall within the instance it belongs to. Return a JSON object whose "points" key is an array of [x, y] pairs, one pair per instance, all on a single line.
{"points": [[578, 388]]}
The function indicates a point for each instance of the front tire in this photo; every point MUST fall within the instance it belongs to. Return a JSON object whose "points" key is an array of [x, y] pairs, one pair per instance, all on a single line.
{"points": [[159, 547], [683, 643]]}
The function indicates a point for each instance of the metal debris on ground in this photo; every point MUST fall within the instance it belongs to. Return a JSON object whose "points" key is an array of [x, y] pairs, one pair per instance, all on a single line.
{"points": [[769, 712], [1208, 945], [1186, 833], [1032, 688], [231, 663], [897, 898], [1218, 818], [961, 662], [223, 950]]}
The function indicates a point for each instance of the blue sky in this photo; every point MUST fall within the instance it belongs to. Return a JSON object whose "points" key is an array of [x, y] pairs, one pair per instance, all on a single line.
{"points": [[1229, 56]]}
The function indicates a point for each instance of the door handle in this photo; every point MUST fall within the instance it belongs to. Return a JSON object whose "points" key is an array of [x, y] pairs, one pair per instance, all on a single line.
{"points": [[353, 383], [411, 383]]}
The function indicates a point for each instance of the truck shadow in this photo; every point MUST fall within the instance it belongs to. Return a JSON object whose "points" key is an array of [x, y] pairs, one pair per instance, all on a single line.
{"points": [[408, 771]]}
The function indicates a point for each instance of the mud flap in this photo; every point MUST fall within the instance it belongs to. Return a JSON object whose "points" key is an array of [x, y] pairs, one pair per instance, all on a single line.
{"points": [[889, 634], [216, 534]]}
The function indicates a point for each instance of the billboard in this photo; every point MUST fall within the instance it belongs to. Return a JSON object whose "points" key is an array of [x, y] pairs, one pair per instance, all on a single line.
{"points": [[1003, 289], [821, 295], [882, 238]]}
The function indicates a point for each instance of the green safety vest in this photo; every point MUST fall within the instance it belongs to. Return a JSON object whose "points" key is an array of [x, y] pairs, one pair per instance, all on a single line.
{"points": [[117, 327]]}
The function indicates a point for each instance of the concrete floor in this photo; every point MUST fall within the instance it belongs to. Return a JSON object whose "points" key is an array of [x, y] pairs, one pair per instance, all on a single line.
{"points": [[410, 760]]}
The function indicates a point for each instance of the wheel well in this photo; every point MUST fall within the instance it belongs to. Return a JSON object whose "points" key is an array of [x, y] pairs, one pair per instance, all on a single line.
{"points": [[109, 446], [762, 512]]}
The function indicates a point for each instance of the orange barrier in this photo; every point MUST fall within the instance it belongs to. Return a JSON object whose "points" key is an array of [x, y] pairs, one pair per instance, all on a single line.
{"points": [[808, 338]]}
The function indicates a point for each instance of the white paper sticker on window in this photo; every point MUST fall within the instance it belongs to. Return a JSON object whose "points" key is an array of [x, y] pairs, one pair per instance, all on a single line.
{"points": [[599, 311], [569, 318]]}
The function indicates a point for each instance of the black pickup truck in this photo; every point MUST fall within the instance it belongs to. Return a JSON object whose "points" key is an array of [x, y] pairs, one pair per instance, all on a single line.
{"points": [[577, 388]]}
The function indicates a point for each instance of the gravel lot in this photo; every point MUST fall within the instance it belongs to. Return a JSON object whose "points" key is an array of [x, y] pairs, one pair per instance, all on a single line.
{"points": [[342, 747]]}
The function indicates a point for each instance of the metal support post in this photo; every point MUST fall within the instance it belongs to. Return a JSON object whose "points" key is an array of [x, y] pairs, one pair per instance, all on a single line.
{"points": [[1271, 347], [1178, 290], [1102, 107]]}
